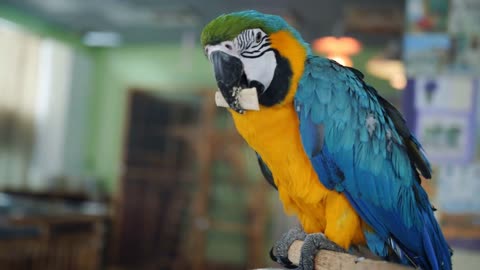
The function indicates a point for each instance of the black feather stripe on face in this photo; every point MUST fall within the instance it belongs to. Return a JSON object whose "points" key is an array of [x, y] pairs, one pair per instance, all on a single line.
{"points": [[278, 89]]}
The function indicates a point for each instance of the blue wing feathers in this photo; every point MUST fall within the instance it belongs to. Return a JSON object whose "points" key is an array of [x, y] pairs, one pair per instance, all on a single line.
{"points": [[376, 244], [367, 152], [324, 98]]}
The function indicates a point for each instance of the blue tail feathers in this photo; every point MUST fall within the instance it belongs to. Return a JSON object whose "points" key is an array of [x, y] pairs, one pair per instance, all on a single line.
{"points": [[437, 251]]}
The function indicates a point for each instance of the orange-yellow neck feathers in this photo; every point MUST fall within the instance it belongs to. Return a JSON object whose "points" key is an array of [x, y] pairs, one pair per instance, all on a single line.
{"points": [[290, 48]]}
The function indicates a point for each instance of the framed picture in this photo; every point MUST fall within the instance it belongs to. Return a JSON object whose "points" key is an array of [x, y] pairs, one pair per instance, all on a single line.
{"points": [[444, 94], [445, 136], [426, 54], [442, 112], [427, 15]]}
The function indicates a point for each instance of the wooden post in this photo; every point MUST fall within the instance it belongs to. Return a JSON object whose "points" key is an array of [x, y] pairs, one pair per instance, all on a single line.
{"points": [[328, 260]]}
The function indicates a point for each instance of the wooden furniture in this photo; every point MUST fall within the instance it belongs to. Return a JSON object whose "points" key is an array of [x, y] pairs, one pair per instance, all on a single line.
{"points": [[54, 251], [38, 235]]}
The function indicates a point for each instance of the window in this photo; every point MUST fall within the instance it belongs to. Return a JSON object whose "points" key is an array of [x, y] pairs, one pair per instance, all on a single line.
{"points": [[34, 86]]}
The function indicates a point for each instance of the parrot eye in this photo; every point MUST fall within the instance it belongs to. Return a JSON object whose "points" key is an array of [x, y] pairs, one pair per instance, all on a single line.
{"points": [[258, 38]]}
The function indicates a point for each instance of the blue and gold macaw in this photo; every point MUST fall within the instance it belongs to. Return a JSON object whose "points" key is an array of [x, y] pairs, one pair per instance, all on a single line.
{"points": [[341, 156]]}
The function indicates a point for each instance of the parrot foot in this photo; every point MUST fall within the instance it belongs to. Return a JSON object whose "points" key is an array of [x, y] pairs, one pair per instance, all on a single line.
{"points": [[279, 252], [312, 243]]}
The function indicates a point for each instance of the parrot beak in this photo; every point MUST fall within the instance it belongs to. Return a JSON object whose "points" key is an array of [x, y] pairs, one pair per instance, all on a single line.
{"points": [[230, 78]]}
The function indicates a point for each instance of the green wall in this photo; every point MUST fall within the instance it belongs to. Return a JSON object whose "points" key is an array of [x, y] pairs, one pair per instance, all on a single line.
{"points": [[156, 67]]}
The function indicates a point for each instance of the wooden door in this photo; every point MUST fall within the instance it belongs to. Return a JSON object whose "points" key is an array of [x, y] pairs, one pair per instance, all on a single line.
{"points": [[155, 183]]}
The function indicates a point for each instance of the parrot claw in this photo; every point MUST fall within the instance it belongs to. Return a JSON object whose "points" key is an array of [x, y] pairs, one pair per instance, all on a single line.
{"points": [[311, 245], [279, 252]]}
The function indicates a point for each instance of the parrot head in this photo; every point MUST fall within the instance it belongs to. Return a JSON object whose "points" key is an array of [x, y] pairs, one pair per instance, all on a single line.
{"points": [[251, 49]]}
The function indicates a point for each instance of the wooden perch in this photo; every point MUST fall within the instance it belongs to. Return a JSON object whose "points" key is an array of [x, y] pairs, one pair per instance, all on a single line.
{"points": [[329, 260]]}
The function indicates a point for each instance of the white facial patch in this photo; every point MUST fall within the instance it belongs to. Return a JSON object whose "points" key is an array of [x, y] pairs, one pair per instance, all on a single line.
{"points": [[260, 69], [252, 47]]}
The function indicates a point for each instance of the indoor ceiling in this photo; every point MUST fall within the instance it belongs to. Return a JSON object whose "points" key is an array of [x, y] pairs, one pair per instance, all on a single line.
{"points": [[154, 21]]}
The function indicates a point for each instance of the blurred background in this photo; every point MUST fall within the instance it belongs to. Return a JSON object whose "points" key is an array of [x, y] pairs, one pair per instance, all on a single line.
{"points": [[114, 156]]}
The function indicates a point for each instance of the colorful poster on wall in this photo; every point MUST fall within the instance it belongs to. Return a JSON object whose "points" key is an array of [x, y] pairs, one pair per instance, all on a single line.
{"points": [[464, 16], [426, 54], [429, 54], [464, 53], [447, 93], [453, 197], [442, 36], [445, 137], [427, 15], [442, 113], [464, 19]]}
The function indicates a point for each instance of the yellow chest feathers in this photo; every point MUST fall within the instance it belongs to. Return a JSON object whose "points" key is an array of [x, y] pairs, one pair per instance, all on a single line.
{"points": [[274, 134]]}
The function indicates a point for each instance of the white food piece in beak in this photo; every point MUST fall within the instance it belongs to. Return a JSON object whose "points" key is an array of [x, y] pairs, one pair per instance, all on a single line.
{"points": [[247, 98]]}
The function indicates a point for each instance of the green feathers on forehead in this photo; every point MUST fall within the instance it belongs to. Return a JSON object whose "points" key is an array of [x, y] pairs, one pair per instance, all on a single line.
{"points": [[228, 26]]}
